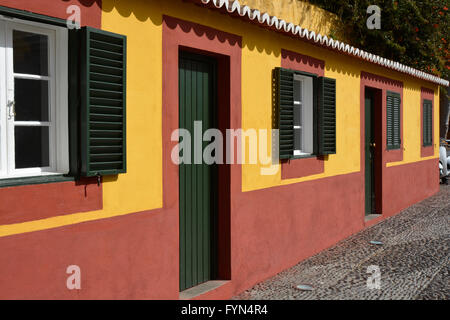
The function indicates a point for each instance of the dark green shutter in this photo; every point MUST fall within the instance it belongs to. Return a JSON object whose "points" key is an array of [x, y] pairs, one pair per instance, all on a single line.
{"points": [[389, 121], [393, 124], [284, 81], [103, 102], [427, 123], [326, 118]]}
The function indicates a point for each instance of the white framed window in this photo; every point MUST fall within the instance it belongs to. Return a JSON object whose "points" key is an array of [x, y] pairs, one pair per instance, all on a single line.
{"points": [[33, 99], [303, 115]]}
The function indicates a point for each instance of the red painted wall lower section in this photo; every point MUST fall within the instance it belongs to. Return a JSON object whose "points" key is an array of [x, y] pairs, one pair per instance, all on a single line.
{"points": [[33, 202], [275, 228], [408, 184], [127, 257], [135, 256]]}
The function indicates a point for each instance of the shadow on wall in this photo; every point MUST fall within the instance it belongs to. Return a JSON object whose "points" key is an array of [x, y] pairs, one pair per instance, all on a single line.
{"points": [[410, 86], [87, 3], [142, 9], [41, 6], [302, 13], [259, 38], [256, 38], [383, 80], [302, 59], [201, 31]]}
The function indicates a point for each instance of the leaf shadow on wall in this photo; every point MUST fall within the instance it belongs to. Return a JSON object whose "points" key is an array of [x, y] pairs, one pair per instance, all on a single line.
{"points": [[142, 10], [87, 3]]}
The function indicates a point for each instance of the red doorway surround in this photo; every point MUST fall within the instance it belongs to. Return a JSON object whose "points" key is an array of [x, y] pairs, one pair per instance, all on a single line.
{"points": [[385, 84], [182, 35]]}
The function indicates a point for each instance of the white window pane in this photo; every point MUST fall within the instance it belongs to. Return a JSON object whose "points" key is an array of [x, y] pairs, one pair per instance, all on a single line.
{"points": [[303, 115], [32, 147], [308, 116], [30, 53], [31, 100]]}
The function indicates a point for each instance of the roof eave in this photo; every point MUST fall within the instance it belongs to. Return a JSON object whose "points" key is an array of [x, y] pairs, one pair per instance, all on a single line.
{"points": [[234, 8]]}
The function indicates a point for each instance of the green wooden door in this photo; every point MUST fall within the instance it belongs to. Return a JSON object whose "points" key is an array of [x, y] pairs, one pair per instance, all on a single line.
{"points": [[369, 154], [198, 181]]}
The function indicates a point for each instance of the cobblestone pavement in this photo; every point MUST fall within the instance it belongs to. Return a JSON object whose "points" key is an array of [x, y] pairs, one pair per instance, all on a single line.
{"points": [[413, 260]]}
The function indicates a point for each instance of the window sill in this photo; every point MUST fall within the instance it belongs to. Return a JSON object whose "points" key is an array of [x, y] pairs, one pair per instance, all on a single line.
{"points": [[303, 156], [393, 148], [23, 181], [201, 289]]}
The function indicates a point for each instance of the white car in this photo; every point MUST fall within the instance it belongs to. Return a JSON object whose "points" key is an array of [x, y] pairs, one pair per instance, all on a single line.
{"points": [[444, 162]]}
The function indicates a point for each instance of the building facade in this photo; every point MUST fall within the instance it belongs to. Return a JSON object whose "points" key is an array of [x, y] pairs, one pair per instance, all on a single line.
{"points": [[88, 122]]}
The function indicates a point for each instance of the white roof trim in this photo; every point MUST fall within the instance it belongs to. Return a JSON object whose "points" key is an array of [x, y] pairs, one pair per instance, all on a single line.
{"points": [[234, 7]]}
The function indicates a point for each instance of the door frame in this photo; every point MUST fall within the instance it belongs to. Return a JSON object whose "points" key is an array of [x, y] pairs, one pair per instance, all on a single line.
{"points": [[377, 166], [227, 48], [185, 53], [381, 84]]}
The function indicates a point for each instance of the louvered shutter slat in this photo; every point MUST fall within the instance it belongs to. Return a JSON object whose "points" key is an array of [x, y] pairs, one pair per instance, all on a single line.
{"points": [[103, 109], [393, 120]]}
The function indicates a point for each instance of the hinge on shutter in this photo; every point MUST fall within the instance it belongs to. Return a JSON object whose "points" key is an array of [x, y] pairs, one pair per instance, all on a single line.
{"points": [[99, 178]]}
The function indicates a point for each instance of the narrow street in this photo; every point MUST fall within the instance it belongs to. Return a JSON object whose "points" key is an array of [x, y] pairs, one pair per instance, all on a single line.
{"points": [[413, 259]]}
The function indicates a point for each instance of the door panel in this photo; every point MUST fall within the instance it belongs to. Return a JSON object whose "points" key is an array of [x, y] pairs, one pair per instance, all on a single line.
{"points": [[369, 153], [198, 181]]}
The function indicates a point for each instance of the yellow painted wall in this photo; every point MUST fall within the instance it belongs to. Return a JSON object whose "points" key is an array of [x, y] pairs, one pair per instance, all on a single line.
{"points": [[141, 187]]}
